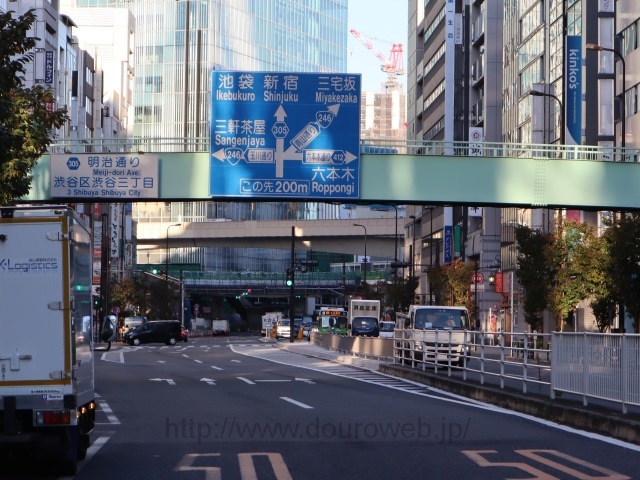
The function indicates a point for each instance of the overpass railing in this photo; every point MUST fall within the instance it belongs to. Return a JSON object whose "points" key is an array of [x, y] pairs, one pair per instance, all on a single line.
{"points": [[277, 279], [367, 146]]}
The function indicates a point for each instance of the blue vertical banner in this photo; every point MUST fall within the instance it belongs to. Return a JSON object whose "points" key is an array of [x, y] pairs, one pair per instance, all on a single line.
{"points": [[573, 90]]}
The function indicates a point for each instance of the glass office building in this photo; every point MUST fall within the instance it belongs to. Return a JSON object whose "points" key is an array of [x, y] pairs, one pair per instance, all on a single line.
{"points": [[178, 43]]}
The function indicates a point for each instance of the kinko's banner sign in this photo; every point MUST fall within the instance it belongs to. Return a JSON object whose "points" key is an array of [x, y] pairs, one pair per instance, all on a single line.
{"points": [[292, 135], [573, 94]]}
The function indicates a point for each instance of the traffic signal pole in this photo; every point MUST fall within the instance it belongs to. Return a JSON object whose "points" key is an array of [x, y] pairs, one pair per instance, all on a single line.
{"points": [[292, 293]]}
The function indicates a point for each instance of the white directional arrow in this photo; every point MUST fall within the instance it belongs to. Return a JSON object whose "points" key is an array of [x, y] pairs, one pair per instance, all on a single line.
{"points": [[168, 380], [305, 380], [273, 381], [209, 381]]}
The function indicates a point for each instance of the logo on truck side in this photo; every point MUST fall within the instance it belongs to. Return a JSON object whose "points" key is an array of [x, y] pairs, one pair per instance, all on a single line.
{"points": [[45, 264]]}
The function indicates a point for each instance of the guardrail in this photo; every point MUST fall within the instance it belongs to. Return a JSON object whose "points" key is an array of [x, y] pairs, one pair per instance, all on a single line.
{"points": [[367, 146], [595, 365], [592, 365]]}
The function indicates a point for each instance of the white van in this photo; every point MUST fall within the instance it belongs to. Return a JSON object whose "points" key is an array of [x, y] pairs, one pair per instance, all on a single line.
{"points": [[386, 329]]}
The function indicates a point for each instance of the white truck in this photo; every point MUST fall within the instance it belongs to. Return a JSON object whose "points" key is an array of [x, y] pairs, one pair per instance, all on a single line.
{"points": [[220, 327], [432, 334], [364, 318], [47, 398]]}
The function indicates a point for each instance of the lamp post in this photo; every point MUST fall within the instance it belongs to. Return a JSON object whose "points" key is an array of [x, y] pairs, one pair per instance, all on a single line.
{"points": [[166, 258], [623, 112], [364, 275], [536, 93], [395, 252], [413, 246]]}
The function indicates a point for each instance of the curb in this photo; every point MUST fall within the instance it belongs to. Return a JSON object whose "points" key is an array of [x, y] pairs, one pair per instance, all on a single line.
{"points": [[344, 359]]}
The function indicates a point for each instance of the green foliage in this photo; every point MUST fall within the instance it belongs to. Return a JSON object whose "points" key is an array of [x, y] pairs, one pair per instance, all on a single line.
{"points": [[534, 273], [151, 298], [623, 241], [26, 114], [450, 284]]}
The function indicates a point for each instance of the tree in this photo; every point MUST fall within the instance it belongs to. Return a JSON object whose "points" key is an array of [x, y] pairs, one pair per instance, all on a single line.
{"points": [[534, 273], [573, 257], [623, 240], [26, 114], [450, 284]]}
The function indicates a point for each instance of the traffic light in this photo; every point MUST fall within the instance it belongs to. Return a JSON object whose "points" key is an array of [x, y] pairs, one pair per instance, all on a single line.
{"points": [[290, 277], [96, 302]]}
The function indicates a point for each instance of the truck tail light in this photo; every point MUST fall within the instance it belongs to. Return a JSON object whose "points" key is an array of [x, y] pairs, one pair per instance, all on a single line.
{"points": [[52, 417]]}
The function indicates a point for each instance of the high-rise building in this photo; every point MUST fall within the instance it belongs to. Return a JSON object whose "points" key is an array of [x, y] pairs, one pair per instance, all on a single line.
{"points": [[178, 43], [454, 80], [473, 65]]}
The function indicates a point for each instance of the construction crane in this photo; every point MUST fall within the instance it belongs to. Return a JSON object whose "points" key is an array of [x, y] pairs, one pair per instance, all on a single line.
{"points": [[393, 65]]}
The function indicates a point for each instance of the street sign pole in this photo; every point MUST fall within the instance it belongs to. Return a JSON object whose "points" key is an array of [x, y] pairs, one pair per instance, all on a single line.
{"points": [[292, 293]]}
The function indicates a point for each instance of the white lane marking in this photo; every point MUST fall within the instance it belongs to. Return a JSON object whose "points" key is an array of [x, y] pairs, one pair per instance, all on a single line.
{"points": [[168, 380], [246, 380], [316, 365], [115, 357], [198, 361], [108, 412], [92, 450], [300, 404], [210, 381], [215, 368]]}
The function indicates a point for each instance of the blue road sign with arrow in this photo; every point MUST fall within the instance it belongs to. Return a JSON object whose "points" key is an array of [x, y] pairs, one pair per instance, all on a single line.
{"points": [[285, 134]]}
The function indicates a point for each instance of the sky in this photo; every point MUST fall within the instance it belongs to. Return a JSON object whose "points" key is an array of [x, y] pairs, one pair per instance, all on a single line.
{"points": [[384, 22]]}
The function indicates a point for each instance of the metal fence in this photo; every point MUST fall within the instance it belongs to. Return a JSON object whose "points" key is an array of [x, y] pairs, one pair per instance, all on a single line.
{"points": [[596, 365], [591, 365], [520, 359], [367, 146]]}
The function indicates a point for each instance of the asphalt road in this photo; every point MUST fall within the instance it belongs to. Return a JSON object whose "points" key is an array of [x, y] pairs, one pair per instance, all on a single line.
{"points": [[237, 408]]}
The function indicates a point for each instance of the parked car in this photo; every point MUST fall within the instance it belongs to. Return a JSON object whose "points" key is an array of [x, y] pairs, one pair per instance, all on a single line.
{"points": [[386, 329], [130, 323], [296, 326], [306, 326], [158, 331], [284, 328], [184, 334]]}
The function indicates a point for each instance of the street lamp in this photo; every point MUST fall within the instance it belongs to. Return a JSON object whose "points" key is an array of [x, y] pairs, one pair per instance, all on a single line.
{"points": [[166, 259], [536, 93], [623, 112], [413, 246], [364, 276]]}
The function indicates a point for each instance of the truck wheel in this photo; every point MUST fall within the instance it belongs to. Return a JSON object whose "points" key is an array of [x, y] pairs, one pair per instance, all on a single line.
{"points": [[68, 467], [83, 446]]}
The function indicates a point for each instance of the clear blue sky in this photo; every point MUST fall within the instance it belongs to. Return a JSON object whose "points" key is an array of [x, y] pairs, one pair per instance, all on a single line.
{"points": [[384, 22]]}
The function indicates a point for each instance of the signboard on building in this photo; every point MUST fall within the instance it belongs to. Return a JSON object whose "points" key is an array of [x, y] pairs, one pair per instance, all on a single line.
{"points": [[104, 176], [573, 94], [48, 67], [277, 134]]}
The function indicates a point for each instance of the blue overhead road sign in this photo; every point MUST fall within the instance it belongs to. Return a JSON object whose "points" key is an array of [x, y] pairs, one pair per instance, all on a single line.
{"points": [[277, 134]]}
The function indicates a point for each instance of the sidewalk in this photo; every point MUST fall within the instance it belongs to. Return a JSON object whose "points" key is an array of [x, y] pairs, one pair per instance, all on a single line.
{"points": [[567, 409], [305, 347]]}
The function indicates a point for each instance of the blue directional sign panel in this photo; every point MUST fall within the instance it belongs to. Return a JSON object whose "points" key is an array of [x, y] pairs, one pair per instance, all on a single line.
{"points": [[276, 134]]}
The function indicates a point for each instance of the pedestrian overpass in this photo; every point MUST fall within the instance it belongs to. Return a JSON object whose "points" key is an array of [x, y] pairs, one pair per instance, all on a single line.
{"points": [[408, 172]]}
